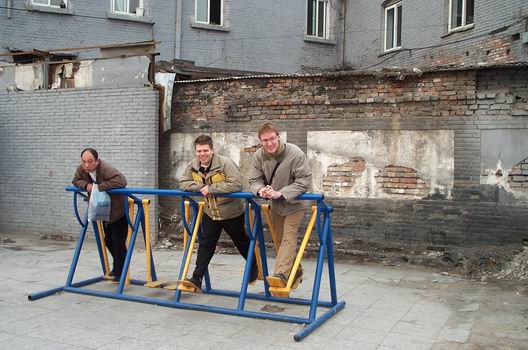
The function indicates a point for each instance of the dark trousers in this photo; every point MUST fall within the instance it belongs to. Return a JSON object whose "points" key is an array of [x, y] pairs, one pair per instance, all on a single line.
{"points": [[234, 227], [115, 239]]}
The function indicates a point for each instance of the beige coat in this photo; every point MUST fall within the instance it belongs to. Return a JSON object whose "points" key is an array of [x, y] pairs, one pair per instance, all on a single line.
{"points": [[292, 178], [107, 178], [223, 177]]}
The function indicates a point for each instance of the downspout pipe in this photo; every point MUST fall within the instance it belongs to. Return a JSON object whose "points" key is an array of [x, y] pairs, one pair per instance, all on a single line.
{"points": [[9, 6], [177, 33]]}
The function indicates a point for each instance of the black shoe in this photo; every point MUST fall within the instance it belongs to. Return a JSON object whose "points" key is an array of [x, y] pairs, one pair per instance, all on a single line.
{"points": [[193, 282], [254, 275]]}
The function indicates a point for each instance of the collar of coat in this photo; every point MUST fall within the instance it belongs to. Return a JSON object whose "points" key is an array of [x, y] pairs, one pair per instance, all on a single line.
{"points": [[276, 155], [215, 164]]}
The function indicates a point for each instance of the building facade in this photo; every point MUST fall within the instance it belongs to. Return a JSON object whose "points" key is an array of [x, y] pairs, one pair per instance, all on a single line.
{"points": [[300, 36]]}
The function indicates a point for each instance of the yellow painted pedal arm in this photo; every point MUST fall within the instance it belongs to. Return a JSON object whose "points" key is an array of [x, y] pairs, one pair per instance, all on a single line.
{"points": [[267, 215], [103, 247], [300, 254], [129, 233], [148, 249], [193, 238], [187, 214], [257, 251]]}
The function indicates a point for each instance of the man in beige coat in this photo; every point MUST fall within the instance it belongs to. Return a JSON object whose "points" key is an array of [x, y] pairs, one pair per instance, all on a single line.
{"points": [[280, 173], [212, 174], [94, 170]]}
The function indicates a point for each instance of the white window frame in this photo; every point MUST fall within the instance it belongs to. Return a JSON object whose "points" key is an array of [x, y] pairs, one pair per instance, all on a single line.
{"points": [[127, 8], [209, 13], [397, 12], [48, 4], [326, 18], [464, 25]]}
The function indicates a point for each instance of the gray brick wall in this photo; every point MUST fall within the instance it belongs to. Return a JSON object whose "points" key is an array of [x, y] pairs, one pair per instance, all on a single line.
{"points": [[425, 24], [41, 136]]}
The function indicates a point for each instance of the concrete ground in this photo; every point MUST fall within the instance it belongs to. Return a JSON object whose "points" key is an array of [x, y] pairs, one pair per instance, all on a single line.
{"points": [[387, 308]]}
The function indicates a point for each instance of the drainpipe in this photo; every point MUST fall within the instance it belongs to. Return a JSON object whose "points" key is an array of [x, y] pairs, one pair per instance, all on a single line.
{"points": [[344, 34], [177, 34], [9, 5]]}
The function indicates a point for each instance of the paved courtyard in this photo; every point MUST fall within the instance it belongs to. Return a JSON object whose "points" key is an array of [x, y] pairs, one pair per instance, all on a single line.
{"points": [[386, 308]]}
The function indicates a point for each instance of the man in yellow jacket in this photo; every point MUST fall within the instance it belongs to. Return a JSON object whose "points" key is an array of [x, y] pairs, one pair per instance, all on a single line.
{"points": [[212, 174]]}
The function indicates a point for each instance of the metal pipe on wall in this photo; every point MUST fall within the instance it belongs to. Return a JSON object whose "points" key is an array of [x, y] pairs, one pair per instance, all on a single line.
{"points": [[9, 5]]}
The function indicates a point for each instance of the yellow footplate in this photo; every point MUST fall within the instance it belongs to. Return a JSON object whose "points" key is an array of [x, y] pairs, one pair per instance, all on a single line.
{"points": [[156, 284], [187, 286], [170, 286], [280, 292]]}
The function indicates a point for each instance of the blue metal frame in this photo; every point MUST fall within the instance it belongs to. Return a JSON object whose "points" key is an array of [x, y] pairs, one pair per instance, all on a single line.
{"points": [[255, 233]]}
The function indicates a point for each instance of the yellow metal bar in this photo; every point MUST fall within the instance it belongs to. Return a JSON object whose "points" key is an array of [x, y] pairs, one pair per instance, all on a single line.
{"points": [[148, 251], [193, 238], [129, 233], [103, 247], [298, 259], [187, 219], [257, 251], [267, 215]]}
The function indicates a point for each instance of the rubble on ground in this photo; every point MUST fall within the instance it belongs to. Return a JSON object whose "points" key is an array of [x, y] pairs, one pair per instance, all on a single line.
{"points": [[517, 269]]}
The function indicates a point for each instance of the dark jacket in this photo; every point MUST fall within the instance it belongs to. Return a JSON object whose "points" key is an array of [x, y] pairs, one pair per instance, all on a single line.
{"points": [[107, 178]]}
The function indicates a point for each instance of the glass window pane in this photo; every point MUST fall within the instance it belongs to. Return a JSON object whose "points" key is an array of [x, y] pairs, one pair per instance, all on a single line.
{"points": [[119, 5], [132, 5], [389, 30], [456, 13], [215, 12], [56, 3], [310, 18], [321, 19], [201, 11], [41, 2], [399, 26], [469, 11]]}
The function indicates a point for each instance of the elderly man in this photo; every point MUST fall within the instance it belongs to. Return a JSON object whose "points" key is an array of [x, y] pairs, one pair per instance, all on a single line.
{"points": [[94, 170], [280, 173], [213, 174]]}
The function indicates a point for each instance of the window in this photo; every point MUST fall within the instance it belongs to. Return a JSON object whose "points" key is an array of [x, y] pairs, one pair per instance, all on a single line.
{"points": [[393, 22], [129, 7], [317, 18], [50, 3], [208, 11], [460, 14]]}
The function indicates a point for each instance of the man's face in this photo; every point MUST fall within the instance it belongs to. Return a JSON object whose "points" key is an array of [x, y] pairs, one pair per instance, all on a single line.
{"points": [[88, 162], [204, 153], [270, 141]]}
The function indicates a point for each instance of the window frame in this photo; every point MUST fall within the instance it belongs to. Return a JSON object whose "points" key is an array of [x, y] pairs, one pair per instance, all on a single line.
{"points": [[127, 13], [209, 13], [397, 6], [315, 15], [464, 24], [34, 3]]}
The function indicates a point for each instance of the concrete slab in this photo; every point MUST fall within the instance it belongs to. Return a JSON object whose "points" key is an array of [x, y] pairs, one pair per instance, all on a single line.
{"points": [[387, 308]]}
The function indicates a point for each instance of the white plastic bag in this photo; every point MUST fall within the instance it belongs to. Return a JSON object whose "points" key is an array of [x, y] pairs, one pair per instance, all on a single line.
{"points": [[99, 205]]}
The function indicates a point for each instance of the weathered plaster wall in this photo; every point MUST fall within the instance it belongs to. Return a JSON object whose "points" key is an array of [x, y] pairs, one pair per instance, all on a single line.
{"points": [[429, 153], [447, 113]]}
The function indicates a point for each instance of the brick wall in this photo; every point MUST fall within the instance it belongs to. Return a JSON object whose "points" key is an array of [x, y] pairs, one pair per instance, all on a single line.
{"points": [[460, 101], [41, 136]]}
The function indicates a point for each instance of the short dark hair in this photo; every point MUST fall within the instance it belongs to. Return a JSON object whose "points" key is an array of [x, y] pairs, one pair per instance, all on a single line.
{"points": [[203, 140], [267, 127], [92, 151]]}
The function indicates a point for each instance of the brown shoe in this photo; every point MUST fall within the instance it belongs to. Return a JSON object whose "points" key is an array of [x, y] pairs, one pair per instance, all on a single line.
{"points": [[298, 279], [277, 280]]}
